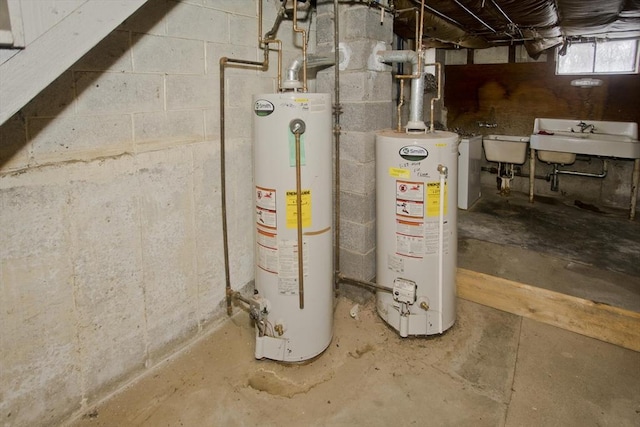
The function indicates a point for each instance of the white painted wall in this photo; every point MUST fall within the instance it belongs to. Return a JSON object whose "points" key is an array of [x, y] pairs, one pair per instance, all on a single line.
{"points": [[110, 221]]}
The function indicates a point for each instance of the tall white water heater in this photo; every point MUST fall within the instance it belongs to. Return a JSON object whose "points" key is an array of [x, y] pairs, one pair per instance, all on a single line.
{"points": [[416, 225], [293, 149]]}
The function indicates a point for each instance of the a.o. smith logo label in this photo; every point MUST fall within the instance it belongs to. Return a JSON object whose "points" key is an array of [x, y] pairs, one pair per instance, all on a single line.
{"points": [[413, 153], [262, 107]]}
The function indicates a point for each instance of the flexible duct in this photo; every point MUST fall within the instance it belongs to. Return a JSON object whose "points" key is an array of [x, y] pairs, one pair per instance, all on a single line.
{"points": [[417, 84], [292, 80]]}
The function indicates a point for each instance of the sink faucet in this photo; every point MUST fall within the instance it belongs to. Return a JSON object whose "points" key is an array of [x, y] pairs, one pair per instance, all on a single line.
{"points": [[584, 127]]}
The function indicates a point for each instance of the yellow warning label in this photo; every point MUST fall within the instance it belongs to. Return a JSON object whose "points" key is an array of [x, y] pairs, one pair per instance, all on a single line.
{"points": [[292, 209], [433, 198], [399, 173]]}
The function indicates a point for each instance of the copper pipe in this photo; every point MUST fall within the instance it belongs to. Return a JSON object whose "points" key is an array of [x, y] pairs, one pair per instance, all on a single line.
{"points": [[304, 45], [264, 65], [352, 281], [439, 96], [337, 110], [297, 127], [400, 104]]}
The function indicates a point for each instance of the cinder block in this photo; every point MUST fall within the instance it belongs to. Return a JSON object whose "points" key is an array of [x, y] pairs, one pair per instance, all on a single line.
{"points": [[189, 92], [366, 116], [361, 22], [168, 249], [240, 91], [357, 208], [357, 146], [358, 266], [150, 18], [357, 237], [360, 55], [215, 51], [365, 86], [243, 30], [242, 8], [238, 123], [358, 178], [102, 93], [324, 28], [193, 22], [111, 54], [325, 81], [80, 138], [156, 54], [165, 129], [55, 100], [108, 272], [14, 151]]}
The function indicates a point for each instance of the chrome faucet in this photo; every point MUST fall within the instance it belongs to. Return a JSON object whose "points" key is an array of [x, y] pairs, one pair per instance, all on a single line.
{"points": [[586, 127]]}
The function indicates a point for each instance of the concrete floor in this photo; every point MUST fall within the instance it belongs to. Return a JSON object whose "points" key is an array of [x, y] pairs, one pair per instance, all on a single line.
{"points": [[589, 252], [491, 369]]}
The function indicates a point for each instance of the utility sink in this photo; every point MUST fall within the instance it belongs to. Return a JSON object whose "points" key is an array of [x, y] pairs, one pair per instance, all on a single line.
{"points": [[559, 140], [505, 148]]}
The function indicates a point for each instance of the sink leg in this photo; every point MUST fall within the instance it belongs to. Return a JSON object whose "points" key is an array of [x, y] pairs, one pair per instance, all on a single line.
{"points": [[532, 172], [634, 188]]}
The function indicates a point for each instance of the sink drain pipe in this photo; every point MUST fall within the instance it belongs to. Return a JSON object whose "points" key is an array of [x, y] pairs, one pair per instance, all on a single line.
{"points": [[553, 176]]}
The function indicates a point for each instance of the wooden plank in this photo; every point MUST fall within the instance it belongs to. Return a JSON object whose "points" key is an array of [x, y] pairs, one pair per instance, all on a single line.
{"points": [[604, 322], [28, 72]]}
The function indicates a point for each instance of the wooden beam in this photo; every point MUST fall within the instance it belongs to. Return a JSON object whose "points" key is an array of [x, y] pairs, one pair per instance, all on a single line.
{"points": [[28, 72], [596, 320]]}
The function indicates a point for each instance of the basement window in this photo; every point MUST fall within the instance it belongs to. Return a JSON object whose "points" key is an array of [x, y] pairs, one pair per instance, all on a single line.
{"points": [[600, 57]]}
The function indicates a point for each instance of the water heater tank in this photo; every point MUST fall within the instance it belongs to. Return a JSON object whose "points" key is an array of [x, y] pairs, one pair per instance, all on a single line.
{"points": [[291, 327], [416, 227]]}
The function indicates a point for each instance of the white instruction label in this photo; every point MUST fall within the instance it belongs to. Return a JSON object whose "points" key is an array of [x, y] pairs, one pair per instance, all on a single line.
{"points": [[288, 266]]}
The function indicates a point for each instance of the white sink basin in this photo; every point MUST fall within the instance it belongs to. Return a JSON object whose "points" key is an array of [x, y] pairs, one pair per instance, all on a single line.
{"points": [[505, 148], [608, 139]]}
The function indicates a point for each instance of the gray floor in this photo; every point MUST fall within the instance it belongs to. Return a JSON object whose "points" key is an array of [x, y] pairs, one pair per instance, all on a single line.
{"points": [[581, 250], [491, 369]]}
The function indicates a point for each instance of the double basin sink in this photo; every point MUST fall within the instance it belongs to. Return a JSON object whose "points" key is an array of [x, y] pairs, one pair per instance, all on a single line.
{"points": [[559, 140]]}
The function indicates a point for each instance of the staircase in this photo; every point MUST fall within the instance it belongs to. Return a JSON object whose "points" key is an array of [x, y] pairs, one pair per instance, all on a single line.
{"points": [[26, 72]]}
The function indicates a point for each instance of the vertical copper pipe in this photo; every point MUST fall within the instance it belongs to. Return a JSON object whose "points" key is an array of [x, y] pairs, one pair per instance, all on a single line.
{"points": [[439, 96], [264, 65], [337, 110], [299, 218], [304, 45], [400, 104]]}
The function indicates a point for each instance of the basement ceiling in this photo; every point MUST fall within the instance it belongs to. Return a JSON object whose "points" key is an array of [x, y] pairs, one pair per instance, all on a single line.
{"points": [[538, 24]]}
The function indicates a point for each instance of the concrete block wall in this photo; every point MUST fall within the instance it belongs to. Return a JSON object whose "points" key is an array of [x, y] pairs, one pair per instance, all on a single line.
{"points": [[110, 217], [366, 99]]}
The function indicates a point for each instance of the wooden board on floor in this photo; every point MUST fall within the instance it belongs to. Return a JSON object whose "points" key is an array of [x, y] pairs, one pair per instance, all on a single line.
{"points": [[600, 321]]}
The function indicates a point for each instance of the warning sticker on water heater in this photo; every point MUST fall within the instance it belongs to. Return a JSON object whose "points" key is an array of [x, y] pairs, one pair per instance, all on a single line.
{"points": [[292, 208], [433, 198], [266, 207], [410, 199]]}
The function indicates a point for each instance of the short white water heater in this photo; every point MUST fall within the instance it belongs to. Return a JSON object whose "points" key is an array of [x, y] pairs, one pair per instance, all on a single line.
{"points": [[416, 225], [293, 310]]}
